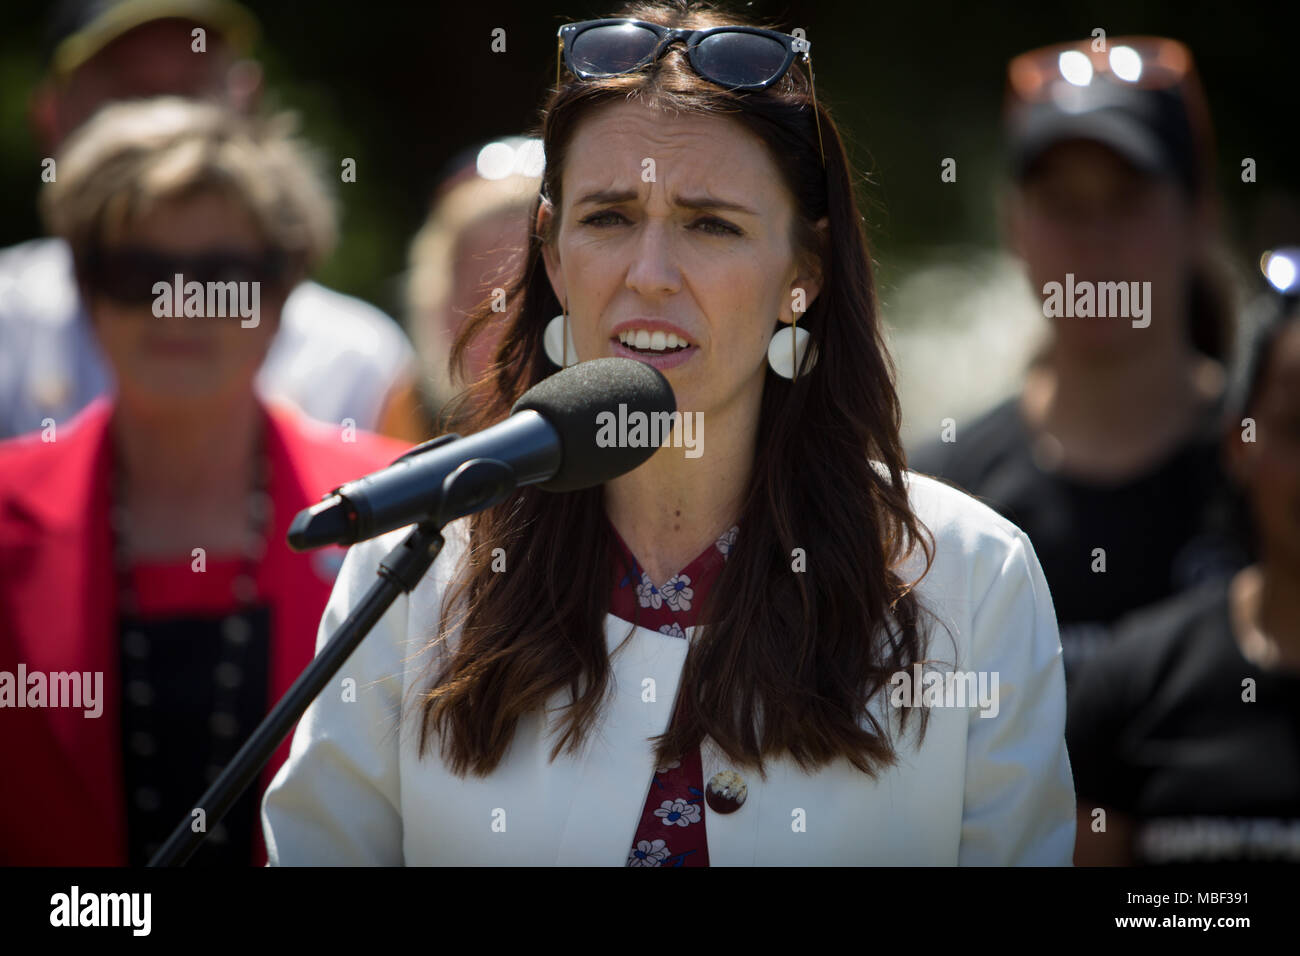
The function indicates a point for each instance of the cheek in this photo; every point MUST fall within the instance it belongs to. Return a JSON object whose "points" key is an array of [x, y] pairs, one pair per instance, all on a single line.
{"points": [[247, 345], [1278, 461], [595, 268], [588, 270], [740, 340], [1273, 481], [1047, 246], [746, 316], [1155, 246], [117, 329]]}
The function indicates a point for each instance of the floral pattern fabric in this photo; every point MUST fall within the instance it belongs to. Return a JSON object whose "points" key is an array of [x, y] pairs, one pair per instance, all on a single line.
{"points": [[671, 831]]}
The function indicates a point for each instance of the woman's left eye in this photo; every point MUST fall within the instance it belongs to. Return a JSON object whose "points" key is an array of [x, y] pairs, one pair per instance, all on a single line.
{"points": [[718, 227]]}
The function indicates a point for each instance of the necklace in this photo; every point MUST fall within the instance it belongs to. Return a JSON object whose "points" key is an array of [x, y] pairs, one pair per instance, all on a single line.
{"points": [[257, 510], [235, 629]]}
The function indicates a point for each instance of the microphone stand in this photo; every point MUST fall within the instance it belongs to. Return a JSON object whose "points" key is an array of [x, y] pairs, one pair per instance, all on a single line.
{"points": [[475, 485]]}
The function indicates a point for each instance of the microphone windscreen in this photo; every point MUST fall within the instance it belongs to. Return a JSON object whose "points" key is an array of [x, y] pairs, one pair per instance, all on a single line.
{"points": [[583, 401]]}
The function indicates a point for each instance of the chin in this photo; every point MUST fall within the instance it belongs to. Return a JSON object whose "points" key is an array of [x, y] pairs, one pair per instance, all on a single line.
{"points": [[173, 393], [1096, 337]]}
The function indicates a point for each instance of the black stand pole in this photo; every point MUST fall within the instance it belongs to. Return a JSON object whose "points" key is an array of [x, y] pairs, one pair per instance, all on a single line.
{"points": [[399, 572]]}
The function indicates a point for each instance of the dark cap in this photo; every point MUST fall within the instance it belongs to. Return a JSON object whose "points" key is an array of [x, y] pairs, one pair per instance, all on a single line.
{"points": [[1159, 128], [79, 29]]}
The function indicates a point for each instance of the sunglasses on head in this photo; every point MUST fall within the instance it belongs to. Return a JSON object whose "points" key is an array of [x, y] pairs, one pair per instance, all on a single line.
{"points": [[128, 274], [735, 57]]}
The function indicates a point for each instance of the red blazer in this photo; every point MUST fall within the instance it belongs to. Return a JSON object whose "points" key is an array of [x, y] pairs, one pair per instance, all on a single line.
{"points": [[61, 800]]}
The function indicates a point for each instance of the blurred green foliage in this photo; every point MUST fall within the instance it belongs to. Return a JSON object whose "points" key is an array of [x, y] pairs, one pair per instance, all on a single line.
{"points": [[403, 87]]}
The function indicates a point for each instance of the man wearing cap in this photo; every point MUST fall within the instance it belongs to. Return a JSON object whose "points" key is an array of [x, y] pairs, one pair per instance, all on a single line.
{"points": [[1108, 459], [335, 357]]}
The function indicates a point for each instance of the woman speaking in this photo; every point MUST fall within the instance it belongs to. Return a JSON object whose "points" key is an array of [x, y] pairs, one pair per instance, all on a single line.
{"points": [[780, 648]]}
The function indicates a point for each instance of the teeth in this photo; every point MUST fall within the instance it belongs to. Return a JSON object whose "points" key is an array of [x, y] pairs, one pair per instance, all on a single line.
{"points": [[648, 341]]}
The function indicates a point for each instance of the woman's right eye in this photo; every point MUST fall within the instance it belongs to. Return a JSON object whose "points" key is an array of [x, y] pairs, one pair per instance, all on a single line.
{"points": [[594, 218]]}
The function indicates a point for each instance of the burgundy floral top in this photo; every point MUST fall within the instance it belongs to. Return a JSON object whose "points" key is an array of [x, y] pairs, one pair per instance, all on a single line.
{"points": [[671, 831]]}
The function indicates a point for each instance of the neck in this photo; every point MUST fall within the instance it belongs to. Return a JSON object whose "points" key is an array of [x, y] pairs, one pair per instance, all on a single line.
{"points": [[673, 507], [1117, 414], [186, 457]]}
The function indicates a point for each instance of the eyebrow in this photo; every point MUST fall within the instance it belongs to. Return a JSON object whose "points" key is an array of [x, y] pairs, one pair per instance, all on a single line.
{"points": [[688, 202]]}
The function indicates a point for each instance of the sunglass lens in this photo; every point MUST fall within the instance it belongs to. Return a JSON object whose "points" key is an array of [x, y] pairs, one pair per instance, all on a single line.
{"points": [[129, 277], [221, 268], [614, 49], [739, 59]]}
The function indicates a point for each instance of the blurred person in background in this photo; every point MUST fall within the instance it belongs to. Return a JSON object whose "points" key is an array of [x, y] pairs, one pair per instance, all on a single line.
{"points": [[145, 539], [1108, 456], [1186, 729], [335, 357], [476, 229]]}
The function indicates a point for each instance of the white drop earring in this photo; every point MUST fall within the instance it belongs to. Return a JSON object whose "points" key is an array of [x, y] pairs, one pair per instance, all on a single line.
{"points": [[558, 342], [785, 353]]}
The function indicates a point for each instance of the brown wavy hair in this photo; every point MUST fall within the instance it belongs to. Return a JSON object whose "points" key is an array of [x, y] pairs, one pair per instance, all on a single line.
{"points": [[788, 661]]}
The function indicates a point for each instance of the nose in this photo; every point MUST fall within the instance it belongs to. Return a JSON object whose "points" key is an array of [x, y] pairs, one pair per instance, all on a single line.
{"points": [[654, 268], [1093, 240]]}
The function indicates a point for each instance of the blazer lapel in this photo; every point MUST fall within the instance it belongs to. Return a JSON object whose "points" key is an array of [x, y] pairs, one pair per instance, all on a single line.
{"points": [[617, 764], [69, 505]]}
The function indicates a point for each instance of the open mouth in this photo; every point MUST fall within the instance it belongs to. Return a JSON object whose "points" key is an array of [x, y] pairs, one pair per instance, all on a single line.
{"points": [[650, 343]]}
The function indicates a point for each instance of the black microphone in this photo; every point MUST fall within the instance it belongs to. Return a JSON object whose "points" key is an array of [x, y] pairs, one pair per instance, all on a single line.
{"points": [[550, 440]]}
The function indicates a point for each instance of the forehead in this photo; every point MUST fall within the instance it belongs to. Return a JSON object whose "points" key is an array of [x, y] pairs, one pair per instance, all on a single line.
{"points": [[195, 219], [157, 57], [1085, 163], [690, 151]]}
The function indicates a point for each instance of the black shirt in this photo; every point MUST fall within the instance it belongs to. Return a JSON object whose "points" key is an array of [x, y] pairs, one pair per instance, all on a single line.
{"points": [[1153, 528], [1158, 729], [193, 690]]}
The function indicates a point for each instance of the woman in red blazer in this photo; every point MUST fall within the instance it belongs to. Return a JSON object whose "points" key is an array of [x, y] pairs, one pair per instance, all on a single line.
{"points": [[150, 610]]}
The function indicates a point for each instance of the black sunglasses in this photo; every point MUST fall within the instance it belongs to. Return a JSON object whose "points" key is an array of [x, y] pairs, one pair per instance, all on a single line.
{"points": [[735, 57], [127, 274]]}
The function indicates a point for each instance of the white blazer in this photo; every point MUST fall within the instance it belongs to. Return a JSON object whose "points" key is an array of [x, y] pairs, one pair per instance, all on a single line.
{"points": [[979, 790]]}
